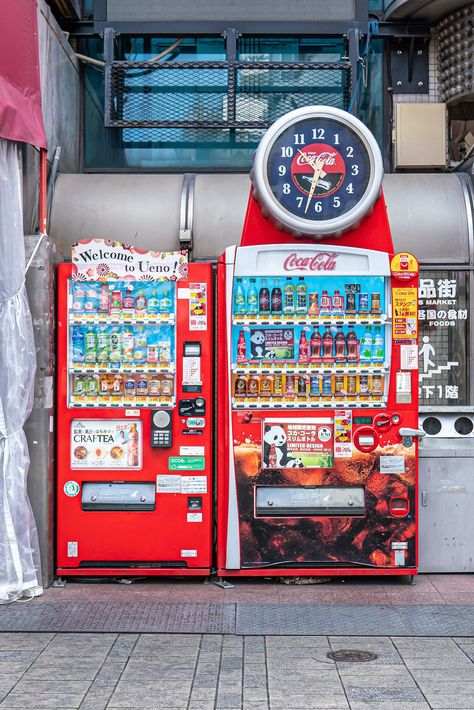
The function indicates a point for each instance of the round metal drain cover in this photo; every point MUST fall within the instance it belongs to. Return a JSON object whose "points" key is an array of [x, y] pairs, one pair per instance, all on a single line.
{"points": [[349, 656]]}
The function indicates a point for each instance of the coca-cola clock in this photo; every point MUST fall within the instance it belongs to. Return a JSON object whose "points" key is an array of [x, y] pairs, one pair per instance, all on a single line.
{"points": [[317, 171]]}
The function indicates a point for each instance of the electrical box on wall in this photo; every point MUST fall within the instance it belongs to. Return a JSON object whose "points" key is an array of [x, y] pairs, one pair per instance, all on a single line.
{"points": [[420, 135]]}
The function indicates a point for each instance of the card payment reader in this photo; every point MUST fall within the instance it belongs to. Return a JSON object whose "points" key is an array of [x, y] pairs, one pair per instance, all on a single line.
{"points": [[161, 434]]}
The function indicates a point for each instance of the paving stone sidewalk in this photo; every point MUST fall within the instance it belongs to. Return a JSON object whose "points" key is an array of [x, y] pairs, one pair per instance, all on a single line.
{"points": [[208, 672]]}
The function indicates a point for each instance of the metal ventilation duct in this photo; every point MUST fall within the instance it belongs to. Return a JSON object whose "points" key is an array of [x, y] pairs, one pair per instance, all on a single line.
{"points": [[455, 36]]}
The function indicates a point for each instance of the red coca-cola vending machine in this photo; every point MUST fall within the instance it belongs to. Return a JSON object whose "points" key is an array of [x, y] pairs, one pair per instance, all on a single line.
{"points": [[134, 425], [317, 383]]}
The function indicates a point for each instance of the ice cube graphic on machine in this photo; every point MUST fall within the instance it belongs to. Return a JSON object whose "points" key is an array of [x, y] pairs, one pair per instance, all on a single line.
{"points": [[134, 491], [315, 392]]}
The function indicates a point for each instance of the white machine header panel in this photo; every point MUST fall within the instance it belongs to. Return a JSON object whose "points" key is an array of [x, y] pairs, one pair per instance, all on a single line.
{"points": [[306, 260]]}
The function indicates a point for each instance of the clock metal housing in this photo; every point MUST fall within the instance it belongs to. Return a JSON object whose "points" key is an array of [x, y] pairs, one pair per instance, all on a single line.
{"points": [[317, 171]]}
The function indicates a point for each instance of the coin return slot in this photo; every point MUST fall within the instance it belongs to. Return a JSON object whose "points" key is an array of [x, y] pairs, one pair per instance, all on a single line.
{"points": [[276, 501], [118, 495], [366, 441]]}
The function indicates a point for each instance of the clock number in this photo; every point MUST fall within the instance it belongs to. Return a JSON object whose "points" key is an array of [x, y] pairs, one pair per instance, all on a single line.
{"points": [[286, 188], [318, 207], [336, 202], [299, 201], [299, 138], [355, 170], [349, 151], [349, 188], [287, 152], [318, 134], [336, 139], [281, 170]]}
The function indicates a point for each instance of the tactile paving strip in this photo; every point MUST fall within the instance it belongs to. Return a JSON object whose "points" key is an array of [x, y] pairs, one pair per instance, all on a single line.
{"points": [[241, 619], [119, 617], [355, 620]]}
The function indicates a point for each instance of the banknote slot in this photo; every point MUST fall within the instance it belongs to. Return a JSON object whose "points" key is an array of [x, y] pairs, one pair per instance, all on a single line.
{"points": [[307, 501]]}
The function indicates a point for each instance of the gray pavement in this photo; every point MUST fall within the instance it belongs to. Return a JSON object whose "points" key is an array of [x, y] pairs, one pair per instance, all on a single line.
{"points": [[214, 671]]}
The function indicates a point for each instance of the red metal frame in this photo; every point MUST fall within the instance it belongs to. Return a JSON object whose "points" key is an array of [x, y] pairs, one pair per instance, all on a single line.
{"points": [[144, 537]]}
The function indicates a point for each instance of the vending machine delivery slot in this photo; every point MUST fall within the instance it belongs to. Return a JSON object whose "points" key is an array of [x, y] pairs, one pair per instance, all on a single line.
{"points": [[117, 495]]}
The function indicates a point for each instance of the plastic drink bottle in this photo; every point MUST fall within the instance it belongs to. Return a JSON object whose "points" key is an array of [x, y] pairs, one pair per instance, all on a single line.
{"points": [[241, 348], [128, 302], [130, 386], [366, 345], [288, 297], [378, 346], [340, 345], [90, 340], [102, 347], [165, 350], [128, 342], [326, 304], [140, 349], [303, 348], [140, 304], [92, 299], [301, 297], [116, 303], [351, 347], [337, 304], [153, 303], [104, 299], [152, 354], [313, 304], [78, 298], [78, 345], [115, 346], [264, 299], [328, 345], [239, 298], [276, 299], [252, 299], [165, 302], [132, 453], [315, 346]]}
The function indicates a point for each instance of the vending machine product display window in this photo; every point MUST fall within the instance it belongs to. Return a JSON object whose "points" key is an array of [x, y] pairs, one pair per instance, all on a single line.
{"points": [[310, 341]]}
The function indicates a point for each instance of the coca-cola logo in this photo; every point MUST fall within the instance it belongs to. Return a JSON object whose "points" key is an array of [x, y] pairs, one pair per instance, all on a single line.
{"points": [[324, 261], [325, 157]]}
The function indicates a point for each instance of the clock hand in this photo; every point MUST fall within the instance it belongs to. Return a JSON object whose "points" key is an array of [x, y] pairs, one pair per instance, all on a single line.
{"points": [[311, 162], [318, 169]]}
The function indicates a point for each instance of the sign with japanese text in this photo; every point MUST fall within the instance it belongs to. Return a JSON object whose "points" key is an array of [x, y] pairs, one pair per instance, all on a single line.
{"points": [[298, 443], [404, 306], [106, 260], [443, 316], [106, 443]]}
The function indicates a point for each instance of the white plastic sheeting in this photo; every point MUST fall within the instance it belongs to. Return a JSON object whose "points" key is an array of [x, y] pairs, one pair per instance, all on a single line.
{"points": [[19, 549]]}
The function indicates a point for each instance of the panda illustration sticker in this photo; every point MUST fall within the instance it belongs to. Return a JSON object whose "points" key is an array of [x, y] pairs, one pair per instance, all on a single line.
{"points": [[272, 344], [298, 443]]}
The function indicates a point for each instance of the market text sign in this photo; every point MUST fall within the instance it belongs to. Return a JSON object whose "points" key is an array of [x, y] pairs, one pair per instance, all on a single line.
{"points": [[105, 260]]}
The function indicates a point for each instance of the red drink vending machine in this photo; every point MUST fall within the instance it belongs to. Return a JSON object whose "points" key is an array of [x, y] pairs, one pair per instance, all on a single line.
{"points": [[318, 461], [134, 426]]}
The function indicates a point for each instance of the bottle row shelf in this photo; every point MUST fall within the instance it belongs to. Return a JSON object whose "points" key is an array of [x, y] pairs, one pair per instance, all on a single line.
{"points": [[321, 403], [320, 369], [99, 319], [356, 319], [89, 369], [116, 402]]}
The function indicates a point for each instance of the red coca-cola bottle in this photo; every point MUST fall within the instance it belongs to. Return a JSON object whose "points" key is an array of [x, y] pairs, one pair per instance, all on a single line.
{"points": [[315, 346], [328, 346], [241, 348], [303, 348], [340, 345], [352, 347]]}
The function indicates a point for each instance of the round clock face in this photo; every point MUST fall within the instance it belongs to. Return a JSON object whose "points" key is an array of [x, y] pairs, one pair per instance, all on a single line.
{"points": [[318, 171]]}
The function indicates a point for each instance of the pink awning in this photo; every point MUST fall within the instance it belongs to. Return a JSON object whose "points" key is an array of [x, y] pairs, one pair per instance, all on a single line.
{"points": [[21, 118]]}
